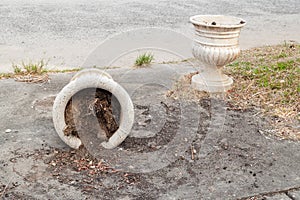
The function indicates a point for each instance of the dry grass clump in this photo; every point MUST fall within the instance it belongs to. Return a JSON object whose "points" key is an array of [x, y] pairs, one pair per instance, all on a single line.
{"points": [[31, 72], [182, 90]]}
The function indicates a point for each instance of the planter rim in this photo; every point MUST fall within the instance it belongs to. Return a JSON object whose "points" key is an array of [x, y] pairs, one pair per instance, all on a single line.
{"points": [[93, 78], [228, 21]]}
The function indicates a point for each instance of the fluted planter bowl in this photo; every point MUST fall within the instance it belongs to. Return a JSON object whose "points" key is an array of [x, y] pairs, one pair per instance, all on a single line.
{"points": [[216, 43]]}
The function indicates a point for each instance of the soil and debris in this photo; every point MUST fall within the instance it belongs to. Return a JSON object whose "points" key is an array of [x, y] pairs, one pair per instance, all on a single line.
{"points": [[267, 79], [162, 137], [78, 168], [32, 78], [86, 106], [182, 90]]}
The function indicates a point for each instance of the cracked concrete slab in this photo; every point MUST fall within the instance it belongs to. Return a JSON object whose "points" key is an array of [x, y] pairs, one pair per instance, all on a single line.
{"points": [[234, 159]]}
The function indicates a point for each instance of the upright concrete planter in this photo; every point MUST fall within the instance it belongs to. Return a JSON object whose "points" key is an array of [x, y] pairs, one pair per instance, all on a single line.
{"points": [[216, 44], [93, 78]]}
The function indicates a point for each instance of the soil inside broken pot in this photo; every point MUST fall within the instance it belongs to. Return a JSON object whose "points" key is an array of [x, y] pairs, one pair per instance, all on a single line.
{"points": [[90, 110]]}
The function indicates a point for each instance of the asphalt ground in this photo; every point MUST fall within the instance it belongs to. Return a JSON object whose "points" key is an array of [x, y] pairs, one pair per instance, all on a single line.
{"points": [[66, 32]]}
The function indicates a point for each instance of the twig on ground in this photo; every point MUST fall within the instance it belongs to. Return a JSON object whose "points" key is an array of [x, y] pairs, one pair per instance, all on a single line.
{"points": [[4, 190], [192, 151]]}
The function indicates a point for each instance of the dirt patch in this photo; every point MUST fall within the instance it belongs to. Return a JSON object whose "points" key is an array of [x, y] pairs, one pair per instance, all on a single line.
{"points": [[99, 180], [96, 178], [182, 90], [45, 104], [87, 107], [160, 138], [32, 78], [267, 78]]}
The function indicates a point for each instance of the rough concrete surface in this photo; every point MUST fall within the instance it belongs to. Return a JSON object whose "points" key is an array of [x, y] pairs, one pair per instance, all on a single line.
{"points": [[233, 158], [278, 197], [65, 32], [294, 194]]}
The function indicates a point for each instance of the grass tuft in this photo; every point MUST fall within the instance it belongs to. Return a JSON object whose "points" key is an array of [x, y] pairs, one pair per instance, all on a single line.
{"points": [[144, 59], [37, 68], [30, 72], [6, 75]]}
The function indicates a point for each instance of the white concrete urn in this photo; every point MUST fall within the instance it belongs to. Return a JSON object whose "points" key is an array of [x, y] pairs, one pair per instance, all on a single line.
{"points": [[93, 78], [216, 43]]}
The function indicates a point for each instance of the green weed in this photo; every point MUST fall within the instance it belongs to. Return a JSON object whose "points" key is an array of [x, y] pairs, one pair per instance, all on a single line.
{"points": [[37, 68], [144, 59]]}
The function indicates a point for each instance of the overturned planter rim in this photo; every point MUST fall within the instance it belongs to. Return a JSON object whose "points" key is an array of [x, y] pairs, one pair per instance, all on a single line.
{"points": [[217, 21], [93, 78]]}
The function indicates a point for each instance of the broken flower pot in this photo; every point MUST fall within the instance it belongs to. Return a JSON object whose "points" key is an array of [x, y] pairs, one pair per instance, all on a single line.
{"points": [[216, 43], [93, 78]]}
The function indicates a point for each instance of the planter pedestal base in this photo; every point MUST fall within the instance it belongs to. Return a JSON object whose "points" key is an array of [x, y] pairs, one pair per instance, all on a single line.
{"points": [[212, 84]]}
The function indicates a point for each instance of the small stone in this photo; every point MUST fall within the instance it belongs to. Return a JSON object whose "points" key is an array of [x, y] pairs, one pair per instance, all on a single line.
{"points": [[151, 144], [55, 174], [7, 130], [224, 144], [142, 124]]}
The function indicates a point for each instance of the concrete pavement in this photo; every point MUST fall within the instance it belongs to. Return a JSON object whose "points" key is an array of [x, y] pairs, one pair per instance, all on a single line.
{"points": [[66, 32], [234, 157]]}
